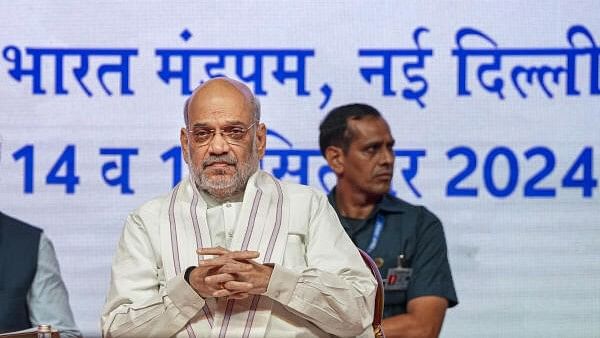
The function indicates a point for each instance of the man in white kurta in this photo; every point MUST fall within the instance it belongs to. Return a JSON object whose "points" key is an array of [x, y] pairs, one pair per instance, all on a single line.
{"points": [[231, 251]]}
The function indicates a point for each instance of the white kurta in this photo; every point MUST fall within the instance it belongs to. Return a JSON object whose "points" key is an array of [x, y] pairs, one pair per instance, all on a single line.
{"points": [[319, 286]]}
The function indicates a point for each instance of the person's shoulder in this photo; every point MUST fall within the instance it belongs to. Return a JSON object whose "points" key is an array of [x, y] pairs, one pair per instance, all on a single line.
{"points": [[147, 216], [395, 204], [17, 226], [153, 205], [304, 198], [301, 191]]}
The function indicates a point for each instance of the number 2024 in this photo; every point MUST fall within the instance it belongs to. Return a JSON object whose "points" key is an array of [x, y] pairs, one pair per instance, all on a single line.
{"points": [[579, 175]]}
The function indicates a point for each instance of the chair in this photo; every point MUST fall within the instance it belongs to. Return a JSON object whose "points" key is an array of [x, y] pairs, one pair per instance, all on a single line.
{"points": [[378, 315], [29, 333]]}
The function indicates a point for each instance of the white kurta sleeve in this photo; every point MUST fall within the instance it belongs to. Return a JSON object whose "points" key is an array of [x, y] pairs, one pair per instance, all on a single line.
{"points": [[140, 303], [336, 291]]}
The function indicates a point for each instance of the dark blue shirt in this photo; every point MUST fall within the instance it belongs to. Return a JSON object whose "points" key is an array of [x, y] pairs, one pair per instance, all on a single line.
{"points": [[416, 233]]}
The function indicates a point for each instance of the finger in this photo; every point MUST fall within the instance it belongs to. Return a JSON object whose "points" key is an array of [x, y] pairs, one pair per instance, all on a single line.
{"points": [[222, 293], [239, 295], [213, 251], [224, 259], [242, 255], [235, 267], [235, 286], [218, 279], [215, 262]]}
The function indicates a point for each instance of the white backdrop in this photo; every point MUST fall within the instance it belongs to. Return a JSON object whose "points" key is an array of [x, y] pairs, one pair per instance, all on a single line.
{"points": [[510, 166]]}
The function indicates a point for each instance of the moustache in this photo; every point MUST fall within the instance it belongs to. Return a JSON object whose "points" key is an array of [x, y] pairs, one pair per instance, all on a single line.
{"points": [[227, 159]]}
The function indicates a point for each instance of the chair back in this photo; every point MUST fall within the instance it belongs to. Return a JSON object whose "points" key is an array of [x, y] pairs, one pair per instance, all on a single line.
{"points": [[378, 315]]}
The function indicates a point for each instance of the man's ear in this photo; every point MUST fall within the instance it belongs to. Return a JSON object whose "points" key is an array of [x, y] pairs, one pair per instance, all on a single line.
{"points": [[335, 158], [183, 139], [261, 140]]}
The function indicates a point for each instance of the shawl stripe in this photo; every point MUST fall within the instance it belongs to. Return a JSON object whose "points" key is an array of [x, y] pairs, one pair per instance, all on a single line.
{"points": [[247, 235], [199, 245], [268, 254]]}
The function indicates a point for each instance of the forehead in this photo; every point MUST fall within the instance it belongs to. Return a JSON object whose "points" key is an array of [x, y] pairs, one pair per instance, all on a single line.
{"points": [[370, 129], [218, 103]]}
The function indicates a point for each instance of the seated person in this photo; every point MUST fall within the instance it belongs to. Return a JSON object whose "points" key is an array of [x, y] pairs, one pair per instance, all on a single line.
{"points": [[32, 291], [231, 251], [406, 241]]}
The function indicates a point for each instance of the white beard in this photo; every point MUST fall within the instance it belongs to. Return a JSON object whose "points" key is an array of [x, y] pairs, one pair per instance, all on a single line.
{"points": [[222, 187]]}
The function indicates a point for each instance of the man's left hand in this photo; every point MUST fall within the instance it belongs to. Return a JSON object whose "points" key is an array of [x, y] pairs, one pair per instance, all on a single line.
{"points": [[250, 278]]}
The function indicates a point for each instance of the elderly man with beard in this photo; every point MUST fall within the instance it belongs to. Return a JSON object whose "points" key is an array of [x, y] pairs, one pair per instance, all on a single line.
{"points": [[231, 251]]}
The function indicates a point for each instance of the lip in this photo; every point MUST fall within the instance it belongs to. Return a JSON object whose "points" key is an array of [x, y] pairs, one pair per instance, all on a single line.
{"points": [[386, 175], [219, 165]]}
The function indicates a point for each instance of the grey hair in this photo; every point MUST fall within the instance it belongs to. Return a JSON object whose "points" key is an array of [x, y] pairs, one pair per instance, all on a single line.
{"points": [[255, 102]]}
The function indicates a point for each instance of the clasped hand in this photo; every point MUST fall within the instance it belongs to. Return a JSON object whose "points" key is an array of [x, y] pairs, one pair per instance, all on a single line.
{"points": [[232, 274]]}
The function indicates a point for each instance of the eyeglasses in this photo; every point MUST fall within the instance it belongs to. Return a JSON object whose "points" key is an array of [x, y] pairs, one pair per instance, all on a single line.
{"points": [[231, 134]]}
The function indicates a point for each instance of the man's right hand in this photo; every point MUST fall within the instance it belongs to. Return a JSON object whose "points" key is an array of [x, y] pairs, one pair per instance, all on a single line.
{"points": [[208, 281]]}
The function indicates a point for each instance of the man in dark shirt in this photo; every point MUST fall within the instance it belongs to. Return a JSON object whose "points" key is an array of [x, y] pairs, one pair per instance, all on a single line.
{"points": [[406, 241]]}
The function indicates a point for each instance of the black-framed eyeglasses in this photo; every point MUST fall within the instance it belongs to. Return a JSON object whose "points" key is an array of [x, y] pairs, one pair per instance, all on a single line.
{"points": [[231, 134]]}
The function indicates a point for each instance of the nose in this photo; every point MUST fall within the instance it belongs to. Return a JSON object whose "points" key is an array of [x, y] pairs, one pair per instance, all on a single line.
{"points": [[387, 157], [218, 145]]}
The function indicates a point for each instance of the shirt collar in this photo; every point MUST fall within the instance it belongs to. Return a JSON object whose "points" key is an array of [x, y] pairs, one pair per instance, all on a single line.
{"points": [[388, 204]]}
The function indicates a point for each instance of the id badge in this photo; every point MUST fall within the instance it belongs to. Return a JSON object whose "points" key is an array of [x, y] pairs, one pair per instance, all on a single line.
{"points": [[398, 278]]}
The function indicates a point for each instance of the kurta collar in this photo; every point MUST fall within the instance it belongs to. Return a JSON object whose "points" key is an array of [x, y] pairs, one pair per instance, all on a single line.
{"points": [[212, 202]]}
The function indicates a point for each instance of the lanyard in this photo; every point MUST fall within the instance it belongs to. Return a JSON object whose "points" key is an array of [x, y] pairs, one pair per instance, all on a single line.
{"points": [[376, 233]]}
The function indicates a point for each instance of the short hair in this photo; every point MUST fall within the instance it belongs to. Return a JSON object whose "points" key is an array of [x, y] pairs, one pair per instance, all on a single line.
{"points": [[334, 131], [255, 103]]}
